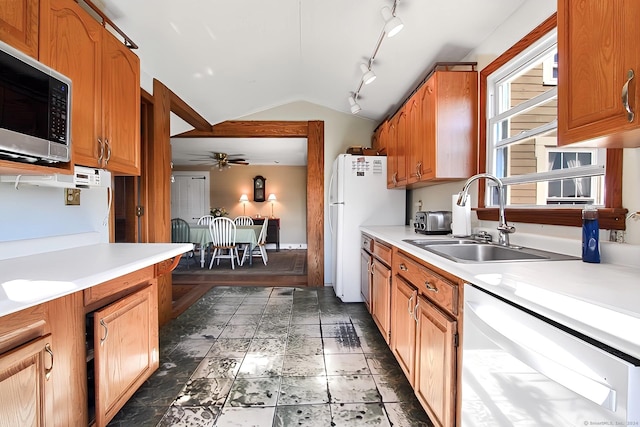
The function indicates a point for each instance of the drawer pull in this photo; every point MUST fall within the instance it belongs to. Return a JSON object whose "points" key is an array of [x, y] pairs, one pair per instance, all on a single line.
{"points": [[106, 331], [430, 287], [415, 312], [403, 267], [47, 371]]}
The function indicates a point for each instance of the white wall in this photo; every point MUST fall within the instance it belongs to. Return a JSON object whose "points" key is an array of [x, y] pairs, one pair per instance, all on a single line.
{"points": [[35, 212], [340, 131], [525, 19]]}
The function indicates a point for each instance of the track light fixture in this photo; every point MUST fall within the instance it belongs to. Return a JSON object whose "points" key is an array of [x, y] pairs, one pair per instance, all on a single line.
{"points": [[367, 74], [355, 107], [392, 26]]}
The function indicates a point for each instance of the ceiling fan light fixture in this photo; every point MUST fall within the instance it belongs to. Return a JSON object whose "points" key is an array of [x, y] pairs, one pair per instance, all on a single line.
{"points": [[392, 24], [367, 74], [355, 107]]}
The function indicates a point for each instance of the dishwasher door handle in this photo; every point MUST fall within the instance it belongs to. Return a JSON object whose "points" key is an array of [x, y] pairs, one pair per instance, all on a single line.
{"points": [[502, 332]]}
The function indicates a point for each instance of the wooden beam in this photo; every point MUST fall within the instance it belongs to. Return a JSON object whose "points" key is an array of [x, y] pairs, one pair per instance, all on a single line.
{"points": [[252, 129], [188, 114], [315, 204]]}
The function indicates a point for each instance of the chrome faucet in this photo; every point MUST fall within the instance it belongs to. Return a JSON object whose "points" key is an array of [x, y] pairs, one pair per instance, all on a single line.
{"points": [[504, 229]]}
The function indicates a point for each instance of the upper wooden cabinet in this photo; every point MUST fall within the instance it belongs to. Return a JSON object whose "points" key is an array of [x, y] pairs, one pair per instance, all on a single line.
{"points": [[446, 128], [106, 86], [433, 137], [19, 25], [597, 56]]}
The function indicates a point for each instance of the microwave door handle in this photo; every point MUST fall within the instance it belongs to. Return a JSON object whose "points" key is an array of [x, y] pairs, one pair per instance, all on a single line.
{"points": [[586, 387]]}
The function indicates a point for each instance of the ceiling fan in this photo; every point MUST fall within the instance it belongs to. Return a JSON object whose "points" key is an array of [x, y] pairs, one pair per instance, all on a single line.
{"points": [[223, 160]]}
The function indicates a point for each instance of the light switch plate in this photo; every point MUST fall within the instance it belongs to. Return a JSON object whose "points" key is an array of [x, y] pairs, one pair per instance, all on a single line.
{"points": [[71, 196]]}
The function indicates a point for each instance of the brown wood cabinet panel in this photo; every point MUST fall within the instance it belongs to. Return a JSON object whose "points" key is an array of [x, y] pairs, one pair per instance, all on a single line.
{"points": [[71, 43], [381, 298], [19, 25], [404, 299], [382, 252], [596, 50], [118, 286], [435, 383], [126, 350], [23, 326], [120, 107], [397, 150], [23, 394]]}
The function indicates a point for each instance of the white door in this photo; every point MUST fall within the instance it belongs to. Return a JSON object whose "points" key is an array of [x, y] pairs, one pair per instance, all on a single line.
{"points": [[190, 195]]}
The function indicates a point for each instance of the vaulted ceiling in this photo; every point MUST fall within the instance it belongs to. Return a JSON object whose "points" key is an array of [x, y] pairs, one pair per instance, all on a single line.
{"points": [[228, 59]]}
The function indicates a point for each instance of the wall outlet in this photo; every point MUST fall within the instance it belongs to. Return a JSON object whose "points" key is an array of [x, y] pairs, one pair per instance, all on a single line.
{"points": [[71, 196]]}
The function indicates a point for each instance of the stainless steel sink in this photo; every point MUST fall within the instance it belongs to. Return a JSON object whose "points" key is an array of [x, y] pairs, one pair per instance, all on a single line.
{"points": [[471, 251]]}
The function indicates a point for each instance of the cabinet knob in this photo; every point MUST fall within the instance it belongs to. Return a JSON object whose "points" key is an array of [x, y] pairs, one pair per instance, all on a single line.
{"points": [[403, 267]]}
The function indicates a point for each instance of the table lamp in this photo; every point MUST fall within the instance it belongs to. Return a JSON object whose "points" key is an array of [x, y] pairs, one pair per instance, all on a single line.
{"points": [[244, 199], [272, 198]]}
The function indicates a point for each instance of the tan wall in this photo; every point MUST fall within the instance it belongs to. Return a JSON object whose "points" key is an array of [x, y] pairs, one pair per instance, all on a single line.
{"points": [[288, 183]]}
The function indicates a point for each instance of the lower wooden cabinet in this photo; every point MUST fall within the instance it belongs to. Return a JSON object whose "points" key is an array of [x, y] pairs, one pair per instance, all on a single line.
{"points": [[381, 298], [404, 298], [24, 373], [125, 347], [435, 380]]}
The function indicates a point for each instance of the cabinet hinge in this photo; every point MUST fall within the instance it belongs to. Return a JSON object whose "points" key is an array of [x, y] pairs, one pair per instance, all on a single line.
{"points": [[455, 340], [139, 210]]}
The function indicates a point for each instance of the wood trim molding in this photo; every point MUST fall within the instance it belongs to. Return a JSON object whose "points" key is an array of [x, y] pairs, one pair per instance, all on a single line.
{"points": [[252, 129], [186, 113], [612, 217]]}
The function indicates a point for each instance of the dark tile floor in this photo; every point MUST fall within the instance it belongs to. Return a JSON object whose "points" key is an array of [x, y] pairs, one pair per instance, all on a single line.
{"points": [[255, 356]]}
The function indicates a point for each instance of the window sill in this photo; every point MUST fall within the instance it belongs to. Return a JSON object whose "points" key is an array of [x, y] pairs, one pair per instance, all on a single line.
{"points": [[608, 218]]}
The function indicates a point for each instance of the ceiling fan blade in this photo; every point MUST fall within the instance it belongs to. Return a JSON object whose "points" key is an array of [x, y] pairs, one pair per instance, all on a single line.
{"points": [[238, 163]]}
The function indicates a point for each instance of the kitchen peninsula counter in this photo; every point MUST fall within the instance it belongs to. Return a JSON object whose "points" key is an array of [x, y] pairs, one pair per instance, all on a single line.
{"points": [[598, 300], [30, 280]]}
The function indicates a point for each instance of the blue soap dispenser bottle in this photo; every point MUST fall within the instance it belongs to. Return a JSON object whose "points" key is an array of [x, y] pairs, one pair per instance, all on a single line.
{"points": [[590, 235]]}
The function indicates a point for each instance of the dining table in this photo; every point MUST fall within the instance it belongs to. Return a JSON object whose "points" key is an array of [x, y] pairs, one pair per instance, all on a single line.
{"points": [[245, 235]]}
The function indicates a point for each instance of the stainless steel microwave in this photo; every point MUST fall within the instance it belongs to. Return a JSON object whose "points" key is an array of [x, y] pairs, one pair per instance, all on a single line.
{"points": [[35, 110]]}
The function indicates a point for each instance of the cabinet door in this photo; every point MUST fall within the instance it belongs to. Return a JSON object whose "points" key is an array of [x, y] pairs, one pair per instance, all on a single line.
{"points": [[415, 138], [435, 384], [120, 107], [401, 148], [23, 376], [19, 25], [403, 325], [126, 350], [381, 298], [596, 50], [365, 278], [392, 152], [71, 43]]}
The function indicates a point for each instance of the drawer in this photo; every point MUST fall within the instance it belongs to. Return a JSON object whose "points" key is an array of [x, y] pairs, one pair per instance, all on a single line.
{"points": [[382, 252], [436, 288], [366, 243], [117, 286]]}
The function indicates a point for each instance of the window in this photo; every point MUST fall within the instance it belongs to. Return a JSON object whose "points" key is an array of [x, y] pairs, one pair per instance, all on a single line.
{"points": [[519, 140]]}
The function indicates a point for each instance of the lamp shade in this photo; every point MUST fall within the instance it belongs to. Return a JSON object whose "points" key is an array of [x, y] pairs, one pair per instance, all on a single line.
{"points": [[393, 24], [272, 197], [244, 198], [355, 108], [367, 74]]}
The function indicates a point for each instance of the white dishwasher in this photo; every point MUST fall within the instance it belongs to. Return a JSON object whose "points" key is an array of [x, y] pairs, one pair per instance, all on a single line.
{"points": [[521, 369]]}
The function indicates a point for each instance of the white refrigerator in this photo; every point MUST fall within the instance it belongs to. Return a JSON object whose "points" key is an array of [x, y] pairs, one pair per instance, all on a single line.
{"points": [[358, 195]]}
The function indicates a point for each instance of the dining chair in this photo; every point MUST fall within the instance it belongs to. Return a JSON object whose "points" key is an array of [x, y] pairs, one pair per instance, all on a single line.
{"points": [[206, 219], [223, 241], [180, 233], [243, 220], [260, 249]]}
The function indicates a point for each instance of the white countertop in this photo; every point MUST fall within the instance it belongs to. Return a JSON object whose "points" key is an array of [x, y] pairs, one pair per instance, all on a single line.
{"points": [[30, 280], [601, 301]]}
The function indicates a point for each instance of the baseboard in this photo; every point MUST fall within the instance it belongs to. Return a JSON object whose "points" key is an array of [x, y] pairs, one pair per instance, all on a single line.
{"points": [[287, 246]]}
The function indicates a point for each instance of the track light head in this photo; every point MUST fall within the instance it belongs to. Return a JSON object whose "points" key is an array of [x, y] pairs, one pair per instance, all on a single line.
{"points": [[355, 107], [367, 74], [393, 24]]}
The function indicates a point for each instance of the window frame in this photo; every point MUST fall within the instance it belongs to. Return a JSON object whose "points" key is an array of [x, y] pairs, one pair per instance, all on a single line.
{"points": [[611, 216]]}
